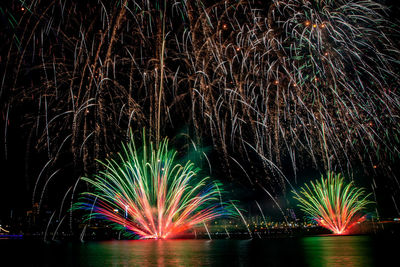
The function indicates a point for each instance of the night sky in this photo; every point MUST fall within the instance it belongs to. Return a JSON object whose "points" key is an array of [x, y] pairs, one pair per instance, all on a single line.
{"points": [[37, 76]]}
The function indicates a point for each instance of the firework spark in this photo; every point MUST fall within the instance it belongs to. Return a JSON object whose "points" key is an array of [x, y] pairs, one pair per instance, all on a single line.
{"points": [[152, 195], [271, 84], [333, 204], [295, 79]]}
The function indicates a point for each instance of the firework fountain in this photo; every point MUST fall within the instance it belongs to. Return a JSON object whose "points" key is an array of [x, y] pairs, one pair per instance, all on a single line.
{"points": [[333, 204], [151, 195]]}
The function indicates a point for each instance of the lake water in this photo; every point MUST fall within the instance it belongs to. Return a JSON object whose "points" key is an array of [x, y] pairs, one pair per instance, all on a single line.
{"points": [[307, 251]]}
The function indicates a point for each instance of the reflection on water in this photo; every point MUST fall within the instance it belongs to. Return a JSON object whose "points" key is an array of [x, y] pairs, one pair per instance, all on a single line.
{"points": [[172, 253], [337, 251], [146, 253], [308, 251]]}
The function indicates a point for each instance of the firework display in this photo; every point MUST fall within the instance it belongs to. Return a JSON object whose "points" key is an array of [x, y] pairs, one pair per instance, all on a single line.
{"points": [[296, 79], [149, 194], [333, 204], [275, 87]]}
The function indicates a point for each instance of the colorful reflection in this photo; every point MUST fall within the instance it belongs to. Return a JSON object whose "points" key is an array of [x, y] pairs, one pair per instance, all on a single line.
{"points": [[337, 251], [147, 253]]}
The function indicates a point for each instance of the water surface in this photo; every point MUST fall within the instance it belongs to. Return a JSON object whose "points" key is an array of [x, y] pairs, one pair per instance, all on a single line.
{"points": [[307, 251]]}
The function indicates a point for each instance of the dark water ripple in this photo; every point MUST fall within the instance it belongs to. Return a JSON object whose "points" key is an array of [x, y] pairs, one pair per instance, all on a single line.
{"points": [[307, 251]]}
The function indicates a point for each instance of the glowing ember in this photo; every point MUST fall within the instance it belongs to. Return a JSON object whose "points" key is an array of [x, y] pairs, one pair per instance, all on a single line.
{"points": [[332, 204]]}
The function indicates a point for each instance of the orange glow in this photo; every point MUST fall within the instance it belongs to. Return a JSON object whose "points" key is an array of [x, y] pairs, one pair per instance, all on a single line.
{"points": [[225, 26], [276, 82], [307, 23]]}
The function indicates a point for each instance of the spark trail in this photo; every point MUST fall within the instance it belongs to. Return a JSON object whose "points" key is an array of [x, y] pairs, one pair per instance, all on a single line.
{"points": [[266, 82], [151, 195], [333, 204]]}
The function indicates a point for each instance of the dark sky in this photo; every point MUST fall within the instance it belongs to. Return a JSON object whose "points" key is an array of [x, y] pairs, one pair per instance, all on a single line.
{"points": [[21, 163]]}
